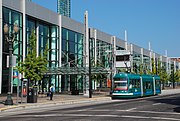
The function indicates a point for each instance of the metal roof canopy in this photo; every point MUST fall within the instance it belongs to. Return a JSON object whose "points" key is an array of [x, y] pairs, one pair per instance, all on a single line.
{"points": [[75, 71]]}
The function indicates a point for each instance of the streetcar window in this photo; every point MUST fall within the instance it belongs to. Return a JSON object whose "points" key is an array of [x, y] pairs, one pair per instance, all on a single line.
{"points": [[148, 85], [135, 83], [138, 85], [120, 79], [158, 83], [120, 84]]}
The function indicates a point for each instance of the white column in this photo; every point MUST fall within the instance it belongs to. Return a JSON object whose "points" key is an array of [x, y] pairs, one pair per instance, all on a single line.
{"points": [[149, 46], [60, 49], [126, 39], [24, 29], [154, 58], [113, 42], [113, 71], [161, 61], [86, 50], [131, 57], [37, 40], [174, 66], [150, 60], [1, 28], [150, 55], [142, 58], [87, 39], [95, 45], [114, 55], [166, 53], [169, 60], [166, 61]]}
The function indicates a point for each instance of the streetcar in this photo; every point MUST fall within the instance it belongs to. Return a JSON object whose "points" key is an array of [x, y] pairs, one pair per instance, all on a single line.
{"points": [[128, 85]]}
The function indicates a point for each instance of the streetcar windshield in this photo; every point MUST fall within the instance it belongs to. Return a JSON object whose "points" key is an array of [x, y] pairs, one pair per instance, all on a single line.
{"points": [[120, 84]]}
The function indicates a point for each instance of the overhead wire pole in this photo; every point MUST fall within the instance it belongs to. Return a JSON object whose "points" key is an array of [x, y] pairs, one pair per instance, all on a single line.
{"points": [[90, 80]]}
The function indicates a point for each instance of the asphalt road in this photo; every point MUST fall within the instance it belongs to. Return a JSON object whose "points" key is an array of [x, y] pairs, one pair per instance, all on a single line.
{"points": [[156, 108]]}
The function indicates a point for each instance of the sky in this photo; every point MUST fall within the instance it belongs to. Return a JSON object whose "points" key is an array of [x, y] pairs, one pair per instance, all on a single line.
{"points": [[154, 21]]}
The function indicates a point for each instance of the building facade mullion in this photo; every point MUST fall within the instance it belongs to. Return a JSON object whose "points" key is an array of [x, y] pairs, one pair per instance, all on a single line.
{"points": [[1, 42]]}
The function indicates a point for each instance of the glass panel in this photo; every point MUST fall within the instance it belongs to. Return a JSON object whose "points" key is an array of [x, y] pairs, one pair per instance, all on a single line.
{"points": [[53, 54], [53, 31], [15, 18], [53, 64], [30, 25], [72, 47], [11, 17], [6, 15], [53, 43]]}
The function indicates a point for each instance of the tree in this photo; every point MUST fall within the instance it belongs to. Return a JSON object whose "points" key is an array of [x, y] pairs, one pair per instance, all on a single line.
{"points": [[164, 76], [174, 77], [141, 69], [153, 66], [178, 73], [33, 67], [159, 68]]}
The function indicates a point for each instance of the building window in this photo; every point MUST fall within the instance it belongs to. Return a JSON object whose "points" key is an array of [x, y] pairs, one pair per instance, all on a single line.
{"points": [[11, 17]]}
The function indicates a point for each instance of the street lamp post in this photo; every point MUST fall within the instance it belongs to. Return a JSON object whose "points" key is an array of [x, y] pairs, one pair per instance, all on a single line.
{"points": [[9, 37]]}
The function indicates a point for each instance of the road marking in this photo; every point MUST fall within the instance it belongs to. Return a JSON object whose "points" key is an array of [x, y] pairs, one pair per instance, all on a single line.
{"points": [[156, 104], [131, 109], [153, 112], [90, 115], [86, 109], [157, 118], [117, 104]]}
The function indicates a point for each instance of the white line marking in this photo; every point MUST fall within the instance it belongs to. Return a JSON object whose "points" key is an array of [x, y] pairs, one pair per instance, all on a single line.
{"points": [[131, 109], [158, 118], [86, 109], [116, 104], [156, 104], [89, 115], [153, 112]]}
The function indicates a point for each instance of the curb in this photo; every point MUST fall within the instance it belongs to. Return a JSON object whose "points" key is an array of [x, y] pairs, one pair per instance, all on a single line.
{"points": [[65, 102], [24, 106]]}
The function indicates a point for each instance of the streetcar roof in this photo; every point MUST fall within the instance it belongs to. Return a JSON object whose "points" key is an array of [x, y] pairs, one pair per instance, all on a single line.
{"points": [[134, 76], [120, 75]]}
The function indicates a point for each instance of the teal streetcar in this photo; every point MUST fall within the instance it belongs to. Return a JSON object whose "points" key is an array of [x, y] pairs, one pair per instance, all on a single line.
{"points": [[127, 85]]}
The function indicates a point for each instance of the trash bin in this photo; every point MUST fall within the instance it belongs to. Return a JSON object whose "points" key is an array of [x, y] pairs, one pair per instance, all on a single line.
{"points": [[32, 95], [75, 92]]}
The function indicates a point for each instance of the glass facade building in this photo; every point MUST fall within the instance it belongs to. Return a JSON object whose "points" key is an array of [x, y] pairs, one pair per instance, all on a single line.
{"points": [[47, 33], [11, 17], [64, 7], [72, 56], [66, 41]]}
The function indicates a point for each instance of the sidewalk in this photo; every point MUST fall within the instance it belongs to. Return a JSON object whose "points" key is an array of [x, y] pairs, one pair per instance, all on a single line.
{"points": [[67, 99], [57, 99]]}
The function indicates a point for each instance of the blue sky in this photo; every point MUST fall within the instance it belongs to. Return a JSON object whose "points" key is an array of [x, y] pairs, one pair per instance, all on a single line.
{"points": [[155, 21]]}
